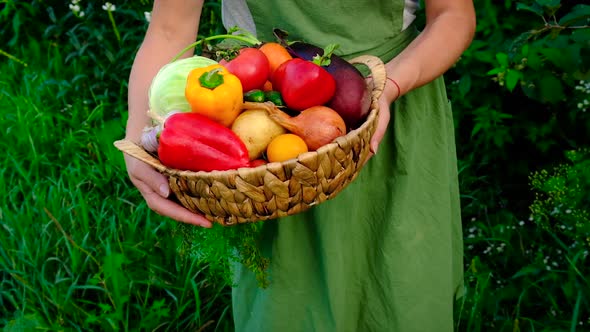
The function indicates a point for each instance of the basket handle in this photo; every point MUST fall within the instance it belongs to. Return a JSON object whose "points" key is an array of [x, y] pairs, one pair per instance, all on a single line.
{"points": [[378, 73], [135, 151]]}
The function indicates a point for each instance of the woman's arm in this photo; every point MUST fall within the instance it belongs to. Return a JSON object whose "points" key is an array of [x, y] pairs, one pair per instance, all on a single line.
{"points": [[174, 25], [450, 26]]}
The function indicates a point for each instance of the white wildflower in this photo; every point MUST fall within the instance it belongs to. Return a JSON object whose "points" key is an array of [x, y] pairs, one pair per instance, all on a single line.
{"points": [[109, 7], [148, 16]]}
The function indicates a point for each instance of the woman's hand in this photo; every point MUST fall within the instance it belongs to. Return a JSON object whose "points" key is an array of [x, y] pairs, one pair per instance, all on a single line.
{"points": [[389, 95], [174, 25], [154, 188], [450, 26]]}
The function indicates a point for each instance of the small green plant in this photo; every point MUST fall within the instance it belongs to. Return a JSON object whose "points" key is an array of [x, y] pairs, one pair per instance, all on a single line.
{"points": [[562, 203]]}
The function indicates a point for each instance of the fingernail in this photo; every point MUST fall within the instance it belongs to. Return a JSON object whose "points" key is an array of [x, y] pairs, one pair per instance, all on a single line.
{"points": [[164, 191], [374, 148]]}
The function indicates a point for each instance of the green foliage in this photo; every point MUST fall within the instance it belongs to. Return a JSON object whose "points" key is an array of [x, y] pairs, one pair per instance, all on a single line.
{"points": [[520, 95], [80, 250], [521, 85], [562, 205], [224, 246]]}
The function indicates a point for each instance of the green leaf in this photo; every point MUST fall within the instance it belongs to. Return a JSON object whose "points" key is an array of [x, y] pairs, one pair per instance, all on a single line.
{"points": [[512, 78], [476, 128], [534, 60], [465, 84], [535, 8], [326, 58], [551, 89], [548, 3], [581, 36], [527, 270], [495, 71], [565, 58], [502, 59], [29, 322], [520, 43], [578, 13], [554, 55], [525, 50]]}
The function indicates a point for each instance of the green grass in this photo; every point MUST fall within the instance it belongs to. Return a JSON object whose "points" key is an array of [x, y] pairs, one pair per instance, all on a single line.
{"points": [[80, 250]]}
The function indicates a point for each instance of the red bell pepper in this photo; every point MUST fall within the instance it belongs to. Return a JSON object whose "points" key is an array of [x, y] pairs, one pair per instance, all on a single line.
{"points": [[303, 84], [191, 141]]}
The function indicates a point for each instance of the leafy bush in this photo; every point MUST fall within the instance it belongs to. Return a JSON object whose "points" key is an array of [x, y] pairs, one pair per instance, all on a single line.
{"points": [[521, 86]]}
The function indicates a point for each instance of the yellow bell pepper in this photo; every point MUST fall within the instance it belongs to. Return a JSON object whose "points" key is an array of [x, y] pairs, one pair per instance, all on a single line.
{"points": [[215, 92]]}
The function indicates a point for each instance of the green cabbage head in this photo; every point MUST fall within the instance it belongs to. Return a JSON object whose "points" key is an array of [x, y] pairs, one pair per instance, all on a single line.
{"points": [[166, 93]]}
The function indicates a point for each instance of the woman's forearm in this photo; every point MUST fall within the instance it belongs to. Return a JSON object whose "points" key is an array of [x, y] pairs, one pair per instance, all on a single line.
{"points": [[446, 35], [164, 39]]}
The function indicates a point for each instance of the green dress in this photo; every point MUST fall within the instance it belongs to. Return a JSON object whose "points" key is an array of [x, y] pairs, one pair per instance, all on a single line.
{"points": [[386, 253]]}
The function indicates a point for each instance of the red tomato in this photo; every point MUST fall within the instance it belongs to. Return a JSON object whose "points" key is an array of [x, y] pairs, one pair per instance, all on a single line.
{"points": [[251, 66]]}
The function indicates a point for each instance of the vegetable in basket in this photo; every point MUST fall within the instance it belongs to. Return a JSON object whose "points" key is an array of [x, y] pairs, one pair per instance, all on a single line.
{"points": [[259, 96], [316, 125], [191, 141], [251, 67], [303, 84], [352, 97], [256, 129], [214, 92], [166, 93]]}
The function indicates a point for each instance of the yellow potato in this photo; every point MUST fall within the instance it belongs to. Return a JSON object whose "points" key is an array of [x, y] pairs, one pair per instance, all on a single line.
{"points": [[256, 129]]}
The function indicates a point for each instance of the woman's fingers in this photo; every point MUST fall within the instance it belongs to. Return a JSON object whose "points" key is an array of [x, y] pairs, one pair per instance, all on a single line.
{"points": [[382, 123], [166, 207], [154, 188]]}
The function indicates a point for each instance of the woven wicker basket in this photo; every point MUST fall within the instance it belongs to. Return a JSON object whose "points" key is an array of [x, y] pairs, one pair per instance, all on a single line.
{"points": [[275, 190]]}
